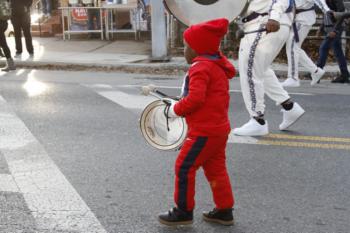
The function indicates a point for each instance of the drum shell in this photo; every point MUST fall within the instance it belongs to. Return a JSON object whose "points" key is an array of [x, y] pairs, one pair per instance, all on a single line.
{"points": [[153, 126]]}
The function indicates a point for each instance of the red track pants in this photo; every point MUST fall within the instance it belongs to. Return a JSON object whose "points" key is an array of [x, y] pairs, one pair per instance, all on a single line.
{"points": [[209, 153]]}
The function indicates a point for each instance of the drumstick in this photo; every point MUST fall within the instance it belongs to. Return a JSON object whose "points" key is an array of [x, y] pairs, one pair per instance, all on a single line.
{"points": [[151, 90], [146, 90]]}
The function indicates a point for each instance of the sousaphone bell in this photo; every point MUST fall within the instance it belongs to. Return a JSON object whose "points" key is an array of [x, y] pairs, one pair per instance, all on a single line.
{"points": [[196, 11]]}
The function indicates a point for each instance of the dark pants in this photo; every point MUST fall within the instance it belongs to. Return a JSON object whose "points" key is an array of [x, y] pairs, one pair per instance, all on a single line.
{"points": [[335, 43], [3, 43], [21, 22]]}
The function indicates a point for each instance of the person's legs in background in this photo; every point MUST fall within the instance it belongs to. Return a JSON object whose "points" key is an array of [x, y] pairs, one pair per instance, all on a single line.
{"points": [[93, 21], [16, 22], [90, 19], [293, 59], [339, 54], [10, 65], [26, 21], [304, 59], [49, 7], [323, 52], [97, 16], [44, 7]]}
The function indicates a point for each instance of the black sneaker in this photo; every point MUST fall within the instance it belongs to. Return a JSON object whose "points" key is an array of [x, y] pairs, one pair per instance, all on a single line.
{"points": [[223, 216], [340, 79], [175, 217], [308, 76], [18, 55]]}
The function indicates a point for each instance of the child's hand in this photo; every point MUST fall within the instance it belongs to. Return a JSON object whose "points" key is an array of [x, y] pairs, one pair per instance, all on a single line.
{"points": [[169, 109]]}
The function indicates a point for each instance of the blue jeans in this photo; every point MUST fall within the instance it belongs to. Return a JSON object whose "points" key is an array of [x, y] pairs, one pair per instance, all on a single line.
{"points": [[335, 43], [47, 6]]}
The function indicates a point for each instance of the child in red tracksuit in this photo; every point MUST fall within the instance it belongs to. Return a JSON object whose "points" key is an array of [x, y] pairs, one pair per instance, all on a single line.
{"points": [[205, 105]]}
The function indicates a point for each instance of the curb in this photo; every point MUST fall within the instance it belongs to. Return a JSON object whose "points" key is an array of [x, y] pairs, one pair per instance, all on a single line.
{"points": [[144, 68]]}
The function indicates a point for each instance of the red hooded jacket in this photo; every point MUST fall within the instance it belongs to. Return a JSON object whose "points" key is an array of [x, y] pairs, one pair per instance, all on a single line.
{"points": [[206, 97]]}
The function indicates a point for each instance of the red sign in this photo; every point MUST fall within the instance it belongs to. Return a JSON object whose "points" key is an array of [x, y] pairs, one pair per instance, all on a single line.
{"points": [[79, 14]]}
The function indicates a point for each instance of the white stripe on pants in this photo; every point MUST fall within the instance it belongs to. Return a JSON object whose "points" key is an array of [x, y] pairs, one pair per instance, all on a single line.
{"points": [[296, 55], [257, 78]]}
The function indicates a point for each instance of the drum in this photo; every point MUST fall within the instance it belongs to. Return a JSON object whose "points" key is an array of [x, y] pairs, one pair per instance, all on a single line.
{"points": [[196, 11], [159, 132]]}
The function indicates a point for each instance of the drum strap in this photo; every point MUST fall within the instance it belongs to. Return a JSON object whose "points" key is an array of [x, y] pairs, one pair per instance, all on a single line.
{"points": [[297, 11], [166, 114], [244, 11], [253, 16]]}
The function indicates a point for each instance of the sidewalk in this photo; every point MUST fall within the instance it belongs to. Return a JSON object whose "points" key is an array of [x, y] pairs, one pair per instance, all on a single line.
{"points": [[124, 56]]}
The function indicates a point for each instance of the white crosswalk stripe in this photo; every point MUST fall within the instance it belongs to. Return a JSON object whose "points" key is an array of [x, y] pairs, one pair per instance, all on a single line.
{"points": [[8, 184], [133, 101], [54, 203]]}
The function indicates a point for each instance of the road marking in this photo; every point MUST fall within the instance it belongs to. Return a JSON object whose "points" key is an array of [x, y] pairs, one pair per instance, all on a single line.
{"points": [[280, 141], [308, 138], [54, 203], [7, 184], [242, 139], [231, 90], [305, 144], [127, 100], [101, 86]]}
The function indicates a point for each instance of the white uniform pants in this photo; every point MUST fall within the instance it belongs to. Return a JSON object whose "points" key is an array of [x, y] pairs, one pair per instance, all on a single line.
{"points": [[257, 52], [296, 55]]}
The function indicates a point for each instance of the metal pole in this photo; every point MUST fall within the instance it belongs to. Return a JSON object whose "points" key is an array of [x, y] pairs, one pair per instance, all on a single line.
{"points": [[101, 22], [159, 41]]}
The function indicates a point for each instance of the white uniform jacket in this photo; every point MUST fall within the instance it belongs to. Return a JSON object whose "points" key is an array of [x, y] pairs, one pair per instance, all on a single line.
{"points": [[309, 17], [275, 8]]}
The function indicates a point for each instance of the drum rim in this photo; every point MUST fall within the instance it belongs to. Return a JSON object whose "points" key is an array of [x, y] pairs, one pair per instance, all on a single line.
{"points": [[181, 21], [146, 136]]}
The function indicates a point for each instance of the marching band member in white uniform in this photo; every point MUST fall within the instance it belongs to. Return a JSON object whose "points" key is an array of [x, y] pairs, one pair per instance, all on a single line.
{"points": [[304, 19], [257, 52]]}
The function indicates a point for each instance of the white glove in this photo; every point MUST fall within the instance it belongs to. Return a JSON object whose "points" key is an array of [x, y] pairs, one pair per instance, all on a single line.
{"points": [[169, 109]]}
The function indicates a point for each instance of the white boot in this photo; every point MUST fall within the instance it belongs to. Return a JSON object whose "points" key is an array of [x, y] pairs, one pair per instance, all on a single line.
{"points": [[290, 82], [317, 75], [291, 116], [252, 128]]}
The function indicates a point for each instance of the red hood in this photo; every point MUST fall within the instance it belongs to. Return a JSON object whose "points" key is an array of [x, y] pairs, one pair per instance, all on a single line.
{"points": [[220, 60]]}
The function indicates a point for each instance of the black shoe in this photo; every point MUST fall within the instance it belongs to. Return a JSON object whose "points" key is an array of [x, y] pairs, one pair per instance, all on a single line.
{"points": [[176, 217], [308, 76], [340, 79], [223, 216], [18, 55]]}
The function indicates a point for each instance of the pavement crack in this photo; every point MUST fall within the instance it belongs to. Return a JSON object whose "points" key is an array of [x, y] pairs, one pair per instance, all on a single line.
{"points": [[99, 47]]}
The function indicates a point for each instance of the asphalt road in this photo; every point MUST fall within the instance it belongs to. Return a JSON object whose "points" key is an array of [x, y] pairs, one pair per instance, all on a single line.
{"points": [[72, 159]]}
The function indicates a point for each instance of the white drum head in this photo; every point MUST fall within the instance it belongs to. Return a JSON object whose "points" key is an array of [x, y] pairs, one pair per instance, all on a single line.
{"points": [[196, 11], [154, 128]]}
